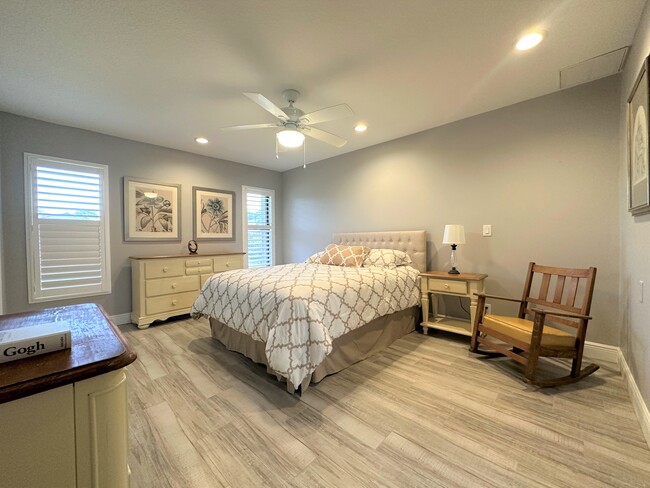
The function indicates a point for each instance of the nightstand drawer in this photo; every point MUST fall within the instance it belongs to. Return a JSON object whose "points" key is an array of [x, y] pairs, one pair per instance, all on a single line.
{"points": [[168, 286], [447, 286], [163, 269], [168, 303]]}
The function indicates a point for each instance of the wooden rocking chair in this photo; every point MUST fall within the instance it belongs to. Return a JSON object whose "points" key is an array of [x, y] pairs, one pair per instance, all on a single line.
{"points": [[526, 340]]}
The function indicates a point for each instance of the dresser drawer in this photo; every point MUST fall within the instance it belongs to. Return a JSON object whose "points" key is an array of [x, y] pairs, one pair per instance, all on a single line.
{"points": [[225, 263], [162, 269], [168, 303], [168, 286], [198, 262], [447, 286], [199, 270]]}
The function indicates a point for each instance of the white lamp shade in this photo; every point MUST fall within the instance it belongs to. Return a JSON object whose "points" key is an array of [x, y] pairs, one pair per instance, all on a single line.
{"points": [[454, 234], [290, 138]]}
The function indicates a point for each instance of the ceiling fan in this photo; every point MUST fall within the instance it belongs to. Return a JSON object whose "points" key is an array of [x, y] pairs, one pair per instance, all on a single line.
{"points": [[297, 124]]}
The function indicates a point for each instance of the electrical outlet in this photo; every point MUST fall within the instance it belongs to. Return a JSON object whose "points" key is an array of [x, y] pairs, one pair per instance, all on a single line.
{"points": [[488, 309]]}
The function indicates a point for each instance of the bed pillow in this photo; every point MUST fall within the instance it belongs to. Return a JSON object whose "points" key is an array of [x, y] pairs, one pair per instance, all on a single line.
{"points": [[387, 258], [315, 258], [338, 255]]}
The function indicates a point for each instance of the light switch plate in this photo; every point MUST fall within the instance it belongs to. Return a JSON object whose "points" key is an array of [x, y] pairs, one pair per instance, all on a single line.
{"points": [[487, 230], [641, 283]]}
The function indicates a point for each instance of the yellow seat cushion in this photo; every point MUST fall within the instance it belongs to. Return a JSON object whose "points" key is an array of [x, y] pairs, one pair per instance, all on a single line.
{"points": [[522, 329]]}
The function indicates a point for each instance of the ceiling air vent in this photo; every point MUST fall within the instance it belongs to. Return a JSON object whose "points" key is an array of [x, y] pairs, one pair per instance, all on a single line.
{"points": [[593, 69]]}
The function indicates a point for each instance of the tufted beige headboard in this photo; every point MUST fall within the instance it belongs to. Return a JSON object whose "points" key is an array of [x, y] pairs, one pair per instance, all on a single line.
{"points": [[412, 242]]}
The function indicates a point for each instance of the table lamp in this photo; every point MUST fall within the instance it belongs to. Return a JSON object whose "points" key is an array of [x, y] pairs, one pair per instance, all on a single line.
{"points": [[454, 235]]}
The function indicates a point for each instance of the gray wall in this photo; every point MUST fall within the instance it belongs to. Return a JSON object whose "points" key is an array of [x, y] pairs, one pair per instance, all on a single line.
{"points": [[543, 172], [124, 158], [635, 237]]}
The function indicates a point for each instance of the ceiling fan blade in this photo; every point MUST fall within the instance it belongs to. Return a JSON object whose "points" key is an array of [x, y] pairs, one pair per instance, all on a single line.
{"points": [[252, 126], [326, 114], [267, 105], [323, 136]]}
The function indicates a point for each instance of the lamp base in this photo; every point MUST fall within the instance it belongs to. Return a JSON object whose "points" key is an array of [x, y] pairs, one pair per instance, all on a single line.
{"points": [[453, 271]]}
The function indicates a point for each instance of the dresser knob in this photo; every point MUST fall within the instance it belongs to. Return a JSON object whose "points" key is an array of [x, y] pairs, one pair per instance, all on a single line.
{"points": [[227, 264], [198, 263], [165, 269], [446, 286], [174, 285], [174, 302]]}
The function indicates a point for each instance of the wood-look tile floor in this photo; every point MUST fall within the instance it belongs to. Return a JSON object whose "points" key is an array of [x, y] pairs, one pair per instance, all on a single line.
{"points": [[423, 413]]}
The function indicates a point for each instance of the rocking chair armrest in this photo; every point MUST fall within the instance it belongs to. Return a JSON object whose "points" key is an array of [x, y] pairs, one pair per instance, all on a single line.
{"points": [[560, 314], [496, 297]]}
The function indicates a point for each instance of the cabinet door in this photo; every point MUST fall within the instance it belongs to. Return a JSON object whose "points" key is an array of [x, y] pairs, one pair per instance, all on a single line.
{"points": [[102, 431], [38, 445]]}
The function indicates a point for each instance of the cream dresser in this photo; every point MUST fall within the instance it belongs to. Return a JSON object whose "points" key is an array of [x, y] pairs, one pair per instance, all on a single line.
{"points": [[165, 286], [64, 415]]}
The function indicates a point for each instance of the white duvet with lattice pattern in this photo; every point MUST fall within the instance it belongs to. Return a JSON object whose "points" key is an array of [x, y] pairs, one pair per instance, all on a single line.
{"points": [[297, 310]]}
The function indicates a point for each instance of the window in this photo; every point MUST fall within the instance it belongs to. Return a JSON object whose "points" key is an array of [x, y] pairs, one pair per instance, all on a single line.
{"points": [[68, 245], [259, 226]]}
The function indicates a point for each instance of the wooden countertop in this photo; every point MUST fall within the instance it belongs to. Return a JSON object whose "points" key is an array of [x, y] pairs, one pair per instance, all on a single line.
{"points": [[188, 255], [98, 347]]}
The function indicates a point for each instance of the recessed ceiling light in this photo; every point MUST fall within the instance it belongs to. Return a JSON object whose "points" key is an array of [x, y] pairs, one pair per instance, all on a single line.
{"points": [[361, 127], [201, 140], [529, 41]]}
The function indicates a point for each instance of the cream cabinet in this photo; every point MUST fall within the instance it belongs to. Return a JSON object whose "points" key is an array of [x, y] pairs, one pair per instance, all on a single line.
{"points": [[166, 286], [64, 415], [72, 436]]}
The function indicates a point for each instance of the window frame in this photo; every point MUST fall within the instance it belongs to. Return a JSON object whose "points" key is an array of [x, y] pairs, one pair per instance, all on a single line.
{"points": [[262, 191], [35, 292]]}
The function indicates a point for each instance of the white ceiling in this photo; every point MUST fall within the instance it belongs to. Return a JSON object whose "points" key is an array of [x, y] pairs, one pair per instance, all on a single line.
{"points": [[167, 71]]}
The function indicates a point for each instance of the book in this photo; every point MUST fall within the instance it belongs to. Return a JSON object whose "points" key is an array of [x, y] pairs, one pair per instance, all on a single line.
{"points": [[31, 341]]}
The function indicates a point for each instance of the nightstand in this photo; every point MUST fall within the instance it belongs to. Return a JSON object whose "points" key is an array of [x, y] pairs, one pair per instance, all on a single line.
{"points": [[462, 285]]}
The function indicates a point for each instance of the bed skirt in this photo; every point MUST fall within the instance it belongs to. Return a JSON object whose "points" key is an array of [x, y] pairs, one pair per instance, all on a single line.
{"points": [[348, 349]]}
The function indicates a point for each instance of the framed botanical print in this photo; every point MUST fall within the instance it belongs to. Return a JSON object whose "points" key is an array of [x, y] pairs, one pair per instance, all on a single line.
{"points": [[214, 214], [152, 210], [637, 137]]}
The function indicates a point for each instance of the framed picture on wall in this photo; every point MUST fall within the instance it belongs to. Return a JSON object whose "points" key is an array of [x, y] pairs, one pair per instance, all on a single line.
{"points": [[152, 210], [637, 147], [214, 214]]}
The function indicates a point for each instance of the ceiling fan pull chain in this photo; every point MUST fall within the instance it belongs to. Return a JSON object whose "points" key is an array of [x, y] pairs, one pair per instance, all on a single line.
{"points": [[304, 165]]}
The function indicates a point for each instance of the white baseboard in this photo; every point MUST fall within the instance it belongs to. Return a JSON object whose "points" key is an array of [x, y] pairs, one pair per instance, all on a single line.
{"points": [[640, 407], [602, 352], [121, 319]]}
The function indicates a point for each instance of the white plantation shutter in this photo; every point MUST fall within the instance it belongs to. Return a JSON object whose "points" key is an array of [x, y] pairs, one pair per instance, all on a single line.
{"points": [[259, 226], [68, 245]]}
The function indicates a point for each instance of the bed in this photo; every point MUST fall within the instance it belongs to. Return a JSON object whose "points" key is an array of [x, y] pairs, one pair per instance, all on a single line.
{"points": [[305, 321]]}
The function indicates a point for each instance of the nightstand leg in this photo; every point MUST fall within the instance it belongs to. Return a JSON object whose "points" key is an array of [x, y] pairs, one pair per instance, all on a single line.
{"points": [[425, 311], [473, 302]]}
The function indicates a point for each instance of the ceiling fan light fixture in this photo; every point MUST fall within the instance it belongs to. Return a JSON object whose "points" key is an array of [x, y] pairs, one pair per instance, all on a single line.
{"points": [[360, 127], [290, 138]]}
